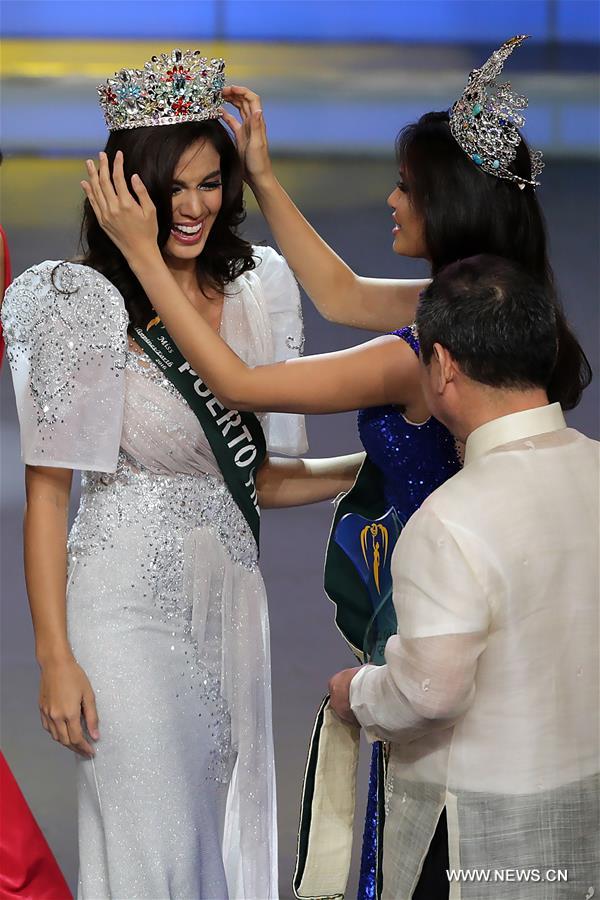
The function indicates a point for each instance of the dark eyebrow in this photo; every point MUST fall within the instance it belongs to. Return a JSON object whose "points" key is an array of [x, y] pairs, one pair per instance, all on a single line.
{"points": [[215, 174]]}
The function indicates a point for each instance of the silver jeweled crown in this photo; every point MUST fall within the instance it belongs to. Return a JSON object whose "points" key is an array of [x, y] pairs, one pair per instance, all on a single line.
{"points": [[181, 86], [486, 119]]}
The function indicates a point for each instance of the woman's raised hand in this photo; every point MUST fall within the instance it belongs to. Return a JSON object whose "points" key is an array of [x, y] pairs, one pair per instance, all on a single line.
{"points": [[250, 134], [129, 221], [66, 702]]}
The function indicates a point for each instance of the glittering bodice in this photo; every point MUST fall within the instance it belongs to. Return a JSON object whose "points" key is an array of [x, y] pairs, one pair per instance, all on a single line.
{"points": [[160, 431], [167, 480], [414, 458]]}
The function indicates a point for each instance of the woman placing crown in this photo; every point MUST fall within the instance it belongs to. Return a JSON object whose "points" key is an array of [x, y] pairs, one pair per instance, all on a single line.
{"points": [[466, 187], [151, 622]]}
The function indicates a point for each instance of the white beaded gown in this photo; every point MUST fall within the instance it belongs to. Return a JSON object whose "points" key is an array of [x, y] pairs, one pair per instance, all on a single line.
{"points": [[166, 605]]}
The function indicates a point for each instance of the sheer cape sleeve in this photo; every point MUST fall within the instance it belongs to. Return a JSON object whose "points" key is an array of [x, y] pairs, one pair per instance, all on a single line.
{"points": [[285, 432], [66, 334], [444, 616]]}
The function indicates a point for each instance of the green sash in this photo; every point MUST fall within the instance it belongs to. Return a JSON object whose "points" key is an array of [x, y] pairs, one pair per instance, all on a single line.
{"points": [[236, 438], [353, 607], [329, 790]]}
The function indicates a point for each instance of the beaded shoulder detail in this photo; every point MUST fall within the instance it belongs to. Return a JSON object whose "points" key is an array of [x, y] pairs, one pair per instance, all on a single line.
{"points": [[410, 336], [64, 319], [141, 364]]}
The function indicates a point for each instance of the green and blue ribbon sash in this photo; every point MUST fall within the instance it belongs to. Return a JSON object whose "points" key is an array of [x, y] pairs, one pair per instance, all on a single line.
{"points": [[236, 438], [358, 581]]}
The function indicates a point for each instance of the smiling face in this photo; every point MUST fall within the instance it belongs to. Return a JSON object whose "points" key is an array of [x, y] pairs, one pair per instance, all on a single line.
{"points": [[408, 230], [197, 196]]}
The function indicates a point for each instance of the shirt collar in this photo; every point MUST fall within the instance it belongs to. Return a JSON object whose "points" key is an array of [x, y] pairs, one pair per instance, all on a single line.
{"points": [[513, 427]]}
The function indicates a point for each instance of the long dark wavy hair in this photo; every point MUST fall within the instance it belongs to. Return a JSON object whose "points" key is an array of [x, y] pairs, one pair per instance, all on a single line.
{"points": [[467, 212], [154, 153]]}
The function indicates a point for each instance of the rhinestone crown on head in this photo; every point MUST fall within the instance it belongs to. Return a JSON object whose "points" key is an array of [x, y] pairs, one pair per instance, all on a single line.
{"points": [[181, 86], [486, 119]]}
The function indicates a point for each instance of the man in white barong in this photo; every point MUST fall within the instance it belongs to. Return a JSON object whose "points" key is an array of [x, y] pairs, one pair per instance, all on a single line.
{"points": [[489, 698]]}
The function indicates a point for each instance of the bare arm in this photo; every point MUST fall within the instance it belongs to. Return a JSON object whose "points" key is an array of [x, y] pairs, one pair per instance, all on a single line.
{"points": [[381, 371], [340, 295], [384, 370], [65, 692], [378, 372], [295, 482], [379, 304]]}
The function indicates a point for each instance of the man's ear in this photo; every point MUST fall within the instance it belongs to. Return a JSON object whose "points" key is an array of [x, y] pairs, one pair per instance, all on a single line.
{"points": [[445, 366]]}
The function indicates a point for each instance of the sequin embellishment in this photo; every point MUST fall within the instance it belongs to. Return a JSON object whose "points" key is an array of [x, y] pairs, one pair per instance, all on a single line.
{"points": [[160, 513], [55, 305], [415, 459], [172, 504]]}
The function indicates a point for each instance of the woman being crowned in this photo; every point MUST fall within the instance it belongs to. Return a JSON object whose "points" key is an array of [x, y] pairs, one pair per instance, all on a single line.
{"points": [[150, 618]]}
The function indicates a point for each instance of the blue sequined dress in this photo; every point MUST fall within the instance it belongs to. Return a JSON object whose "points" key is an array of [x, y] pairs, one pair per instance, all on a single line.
{"points": [[415, 459]]}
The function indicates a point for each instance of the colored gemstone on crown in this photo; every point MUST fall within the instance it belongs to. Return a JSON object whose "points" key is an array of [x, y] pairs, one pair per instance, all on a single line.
{"points": [[175, 87], [181, 106], [486, 119]]}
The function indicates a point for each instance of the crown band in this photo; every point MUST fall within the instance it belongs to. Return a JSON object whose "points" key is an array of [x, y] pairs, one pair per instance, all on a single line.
{"points": [[486, 118], [182, 86]]}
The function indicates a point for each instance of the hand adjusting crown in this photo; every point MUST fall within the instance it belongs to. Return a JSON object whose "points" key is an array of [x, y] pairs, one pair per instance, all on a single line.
{"points": [[171, 88], [486, 119]]}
